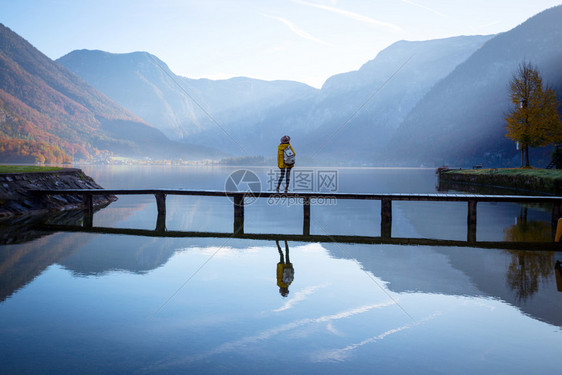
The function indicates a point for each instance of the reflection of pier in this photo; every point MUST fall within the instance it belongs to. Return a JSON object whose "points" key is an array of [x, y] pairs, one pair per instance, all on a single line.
{"points": [[509, 245], [386, 204]]}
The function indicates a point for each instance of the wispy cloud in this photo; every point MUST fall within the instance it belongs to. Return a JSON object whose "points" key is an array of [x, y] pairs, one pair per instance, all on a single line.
{"points": [[352, 15], [343, 353], [424, 7], [330, 327], [300, 32], [299, 296], [273, 332]]}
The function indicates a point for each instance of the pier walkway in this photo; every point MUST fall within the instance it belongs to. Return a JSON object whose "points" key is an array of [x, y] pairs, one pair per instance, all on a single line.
{"points": [[238, 199]]}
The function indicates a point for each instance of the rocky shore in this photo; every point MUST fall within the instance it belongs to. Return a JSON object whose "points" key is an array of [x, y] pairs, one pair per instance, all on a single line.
{"points": [[16, 199]]}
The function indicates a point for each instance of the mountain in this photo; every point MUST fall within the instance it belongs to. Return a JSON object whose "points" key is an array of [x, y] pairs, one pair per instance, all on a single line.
{"points": [[460, 121], [359, 111], [356, 113], [248, 116], [434, 102], [205, 111], [42, 104]]}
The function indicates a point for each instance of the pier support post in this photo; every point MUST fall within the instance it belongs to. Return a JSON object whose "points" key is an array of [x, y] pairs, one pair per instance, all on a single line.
{"points": [[160, 222], [556, 213], [386, 218], [161, 206], [161, 203], [89, 210], [306, 216], [471, 221], [386, 230], [239, 213]]}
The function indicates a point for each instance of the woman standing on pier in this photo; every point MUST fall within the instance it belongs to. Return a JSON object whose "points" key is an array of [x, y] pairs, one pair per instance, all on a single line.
{"points": [[285, 161]]}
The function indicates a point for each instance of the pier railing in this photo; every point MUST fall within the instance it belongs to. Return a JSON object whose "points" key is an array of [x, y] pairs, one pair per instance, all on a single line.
{"points": [[238, 199]]}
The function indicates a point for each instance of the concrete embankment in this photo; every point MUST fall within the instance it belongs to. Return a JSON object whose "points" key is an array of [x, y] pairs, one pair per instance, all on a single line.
{"points": [[518, 179], [17, 200]]}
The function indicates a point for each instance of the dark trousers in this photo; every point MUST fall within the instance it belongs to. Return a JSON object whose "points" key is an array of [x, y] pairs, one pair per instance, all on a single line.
{"points": [[287, 172], [281, 260]]}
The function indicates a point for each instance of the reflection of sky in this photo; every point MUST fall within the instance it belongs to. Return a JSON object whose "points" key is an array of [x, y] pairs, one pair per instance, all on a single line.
{"points": [[204, 305], [217, 307]]}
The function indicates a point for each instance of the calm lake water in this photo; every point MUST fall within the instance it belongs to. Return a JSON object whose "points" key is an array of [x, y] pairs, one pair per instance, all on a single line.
{"points": [[74, 302]]}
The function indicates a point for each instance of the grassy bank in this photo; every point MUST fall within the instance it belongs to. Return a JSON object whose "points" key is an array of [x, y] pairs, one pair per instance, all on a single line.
{"points": [[549, 174], [26, 168], [529, 179]]}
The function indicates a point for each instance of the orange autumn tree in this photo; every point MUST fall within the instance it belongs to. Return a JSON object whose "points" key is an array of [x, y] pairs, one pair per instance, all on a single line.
{"points": [[534, 121]]}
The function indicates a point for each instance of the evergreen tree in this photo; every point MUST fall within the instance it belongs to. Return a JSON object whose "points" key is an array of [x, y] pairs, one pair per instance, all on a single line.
{"points": [[534, 121]]}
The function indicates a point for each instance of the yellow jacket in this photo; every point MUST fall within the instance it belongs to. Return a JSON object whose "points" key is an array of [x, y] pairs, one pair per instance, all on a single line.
{"points": [[280, 158], [285, 278]]}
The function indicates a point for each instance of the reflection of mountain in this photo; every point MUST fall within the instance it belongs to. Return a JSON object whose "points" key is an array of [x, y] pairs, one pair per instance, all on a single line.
{"points": [[23, 229], [30, 252], [141, 254], [408, 268], [110, 253], [489, 272], [467, 271], [454, 271], [25, 251]]}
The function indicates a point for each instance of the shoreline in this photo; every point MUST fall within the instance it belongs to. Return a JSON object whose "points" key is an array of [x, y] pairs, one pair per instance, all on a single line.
{"points": [[544, 181], [16, 201]]}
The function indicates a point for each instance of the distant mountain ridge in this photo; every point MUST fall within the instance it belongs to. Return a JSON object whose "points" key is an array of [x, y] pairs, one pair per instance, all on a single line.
{"points": [[254, 114], [43, 103], [178, 106], [388, 86]]}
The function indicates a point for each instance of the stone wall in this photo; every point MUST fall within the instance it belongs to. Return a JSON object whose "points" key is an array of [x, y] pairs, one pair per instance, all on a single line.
{"points": [[16, 200]]}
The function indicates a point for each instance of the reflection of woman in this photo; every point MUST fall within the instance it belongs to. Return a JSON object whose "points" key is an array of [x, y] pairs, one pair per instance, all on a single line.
{"points": [[282, 164], [285, 271]]}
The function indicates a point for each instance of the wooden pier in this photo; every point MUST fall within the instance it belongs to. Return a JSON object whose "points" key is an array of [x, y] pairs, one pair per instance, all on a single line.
{"points": [[238, 199]]}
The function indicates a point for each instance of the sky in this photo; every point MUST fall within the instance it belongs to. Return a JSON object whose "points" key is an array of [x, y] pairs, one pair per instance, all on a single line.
{"points": [[300, 40]]}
